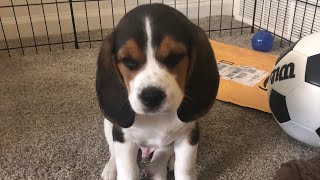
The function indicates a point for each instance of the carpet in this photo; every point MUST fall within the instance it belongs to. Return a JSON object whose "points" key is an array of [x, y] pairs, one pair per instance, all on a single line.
{"points": [[51, 126]]}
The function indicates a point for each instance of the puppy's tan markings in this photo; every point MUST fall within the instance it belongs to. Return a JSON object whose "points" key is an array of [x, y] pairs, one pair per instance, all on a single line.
{"points": [[131, 50], [169, 46], [180, 71]]}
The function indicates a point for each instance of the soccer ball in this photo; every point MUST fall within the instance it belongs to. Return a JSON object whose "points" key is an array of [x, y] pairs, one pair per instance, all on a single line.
{"points": [[294, 90]]}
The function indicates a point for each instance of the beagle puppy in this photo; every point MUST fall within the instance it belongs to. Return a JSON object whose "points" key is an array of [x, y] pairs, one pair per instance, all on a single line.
{"points": [[156, 76]]}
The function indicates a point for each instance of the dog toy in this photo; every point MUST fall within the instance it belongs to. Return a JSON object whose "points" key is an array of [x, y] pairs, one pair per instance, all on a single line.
{"points": [[262, 41]]}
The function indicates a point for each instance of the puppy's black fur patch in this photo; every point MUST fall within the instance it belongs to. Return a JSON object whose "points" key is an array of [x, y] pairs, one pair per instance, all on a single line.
{"points": [[194, 135], [111, 92], [117, 134]]}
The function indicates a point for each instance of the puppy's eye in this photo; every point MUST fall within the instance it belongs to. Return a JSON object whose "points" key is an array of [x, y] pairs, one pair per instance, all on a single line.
{"points": [[172, 60], [130, 63]]}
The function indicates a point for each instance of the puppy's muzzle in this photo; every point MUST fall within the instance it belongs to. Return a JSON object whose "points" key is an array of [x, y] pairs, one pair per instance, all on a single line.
{"points": [[152, 97]]}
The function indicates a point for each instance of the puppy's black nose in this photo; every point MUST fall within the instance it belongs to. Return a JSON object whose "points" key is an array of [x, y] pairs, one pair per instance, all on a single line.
{"points": [[152, 97]]}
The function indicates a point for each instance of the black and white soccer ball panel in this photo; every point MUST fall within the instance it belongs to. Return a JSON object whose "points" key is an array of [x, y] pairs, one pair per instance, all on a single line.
{"points": [[289, 72], [309, 45]]}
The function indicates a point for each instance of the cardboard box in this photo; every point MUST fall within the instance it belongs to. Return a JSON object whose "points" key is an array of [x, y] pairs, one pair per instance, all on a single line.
{"points": [[244, 75]]}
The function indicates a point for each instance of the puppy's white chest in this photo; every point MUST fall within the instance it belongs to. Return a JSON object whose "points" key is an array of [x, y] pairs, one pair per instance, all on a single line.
{"points": [[156, 131], [152, 137]]}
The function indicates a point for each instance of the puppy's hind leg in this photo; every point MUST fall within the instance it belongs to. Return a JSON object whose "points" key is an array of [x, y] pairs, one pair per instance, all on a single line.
{"points": [[110, 171]]}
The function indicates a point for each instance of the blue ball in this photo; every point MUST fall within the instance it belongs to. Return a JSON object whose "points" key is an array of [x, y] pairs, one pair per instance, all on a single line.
{"points": [[262, 41]]}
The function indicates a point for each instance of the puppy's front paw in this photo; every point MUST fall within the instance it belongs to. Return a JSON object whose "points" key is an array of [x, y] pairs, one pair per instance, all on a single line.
{"points": [[183, 175], [171, 163], [157, 171], [109, 172]]}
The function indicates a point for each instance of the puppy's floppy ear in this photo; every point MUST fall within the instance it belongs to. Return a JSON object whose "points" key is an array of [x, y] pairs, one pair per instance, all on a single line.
{"points": [[111, 91], [202, 81]]}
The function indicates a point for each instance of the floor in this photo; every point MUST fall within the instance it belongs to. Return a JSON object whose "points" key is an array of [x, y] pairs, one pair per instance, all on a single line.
{"points": [[51, 127]]}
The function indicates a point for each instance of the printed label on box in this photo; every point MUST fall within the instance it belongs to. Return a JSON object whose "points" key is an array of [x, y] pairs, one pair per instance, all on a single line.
{"points": [[245, 75]]}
